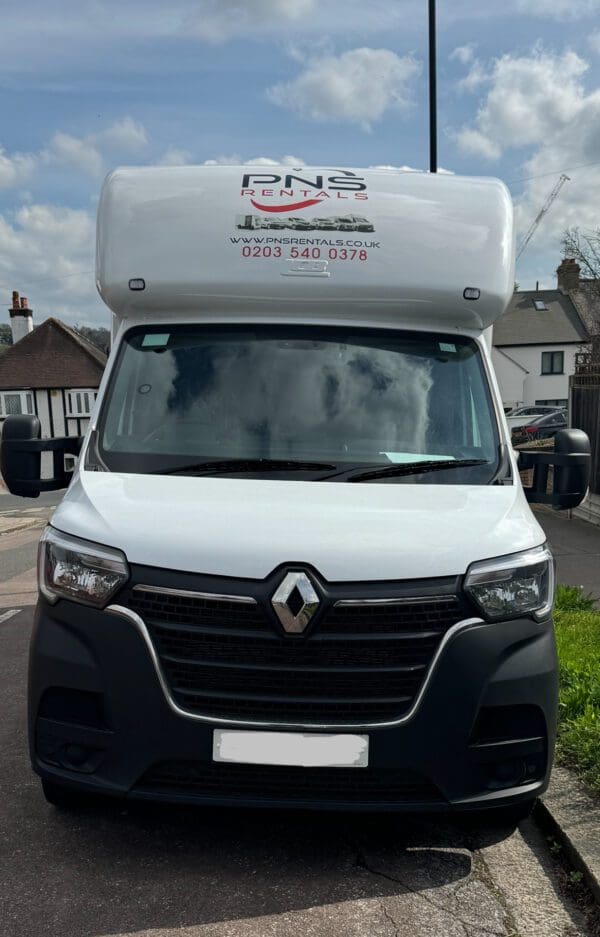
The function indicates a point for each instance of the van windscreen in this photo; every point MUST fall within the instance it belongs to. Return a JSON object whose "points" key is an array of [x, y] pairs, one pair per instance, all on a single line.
{"points": [[297, 402]]}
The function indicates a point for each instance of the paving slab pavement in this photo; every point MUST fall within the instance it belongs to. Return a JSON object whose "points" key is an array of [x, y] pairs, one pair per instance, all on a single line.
{"points": [[576, 547], [577, 816]]}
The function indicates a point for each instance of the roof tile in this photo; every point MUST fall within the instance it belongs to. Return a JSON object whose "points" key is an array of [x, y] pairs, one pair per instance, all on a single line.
{"points": [[522, 324], [53, 355]]}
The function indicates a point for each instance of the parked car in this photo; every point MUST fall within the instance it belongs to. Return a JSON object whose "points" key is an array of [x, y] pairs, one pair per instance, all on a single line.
{"points": [[300, 224], [521, 416], [541, 427], [327, 224]]}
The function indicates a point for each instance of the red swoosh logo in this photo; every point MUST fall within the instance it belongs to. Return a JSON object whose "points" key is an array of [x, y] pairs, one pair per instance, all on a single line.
{"points": [[287, 208]]}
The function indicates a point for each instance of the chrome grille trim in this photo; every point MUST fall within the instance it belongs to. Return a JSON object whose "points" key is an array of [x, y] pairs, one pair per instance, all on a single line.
{"points": [[140, 625], [186, 593], [405, 600]]}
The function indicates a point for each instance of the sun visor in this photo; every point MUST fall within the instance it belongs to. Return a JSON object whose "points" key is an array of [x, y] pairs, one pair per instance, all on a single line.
{"points": [[403, 246]]}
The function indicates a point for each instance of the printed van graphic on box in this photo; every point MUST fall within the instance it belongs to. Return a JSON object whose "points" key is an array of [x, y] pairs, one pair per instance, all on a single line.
{"points": [[294, 223], [274, 202]]}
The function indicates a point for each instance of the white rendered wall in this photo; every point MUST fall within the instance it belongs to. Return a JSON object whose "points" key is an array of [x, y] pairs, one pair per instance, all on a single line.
{"points": [[511, 378], [43, 412], [21, 326], [535, 385]]}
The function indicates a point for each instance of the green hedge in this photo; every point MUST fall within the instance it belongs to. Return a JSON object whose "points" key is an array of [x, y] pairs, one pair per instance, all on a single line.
{"points": [[578, 642]]}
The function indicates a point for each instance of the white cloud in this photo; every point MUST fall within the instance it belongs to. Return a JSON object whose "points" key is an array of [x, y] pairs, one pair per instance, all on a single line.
{"points": [[357, 87], [540, 102], [267, 161], [175, 157], [80, 153], [125, 134], [476, 76], [219, 20], [236, 160], [473, 141], [386, 166], [47, 253], [15, 169], [529, 99], [88, 154], [463, 54], [558, 9]]}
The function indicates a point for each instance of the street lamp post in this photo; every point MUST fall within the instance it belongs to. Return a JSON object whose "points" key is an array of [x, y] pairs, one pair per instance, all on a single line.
{"points": [[432, 90]]}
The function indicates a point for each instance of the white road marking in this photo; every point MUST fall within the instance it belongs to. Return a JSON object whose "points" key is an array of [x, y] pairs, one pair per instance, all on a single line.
{"points": [[10, 613]]}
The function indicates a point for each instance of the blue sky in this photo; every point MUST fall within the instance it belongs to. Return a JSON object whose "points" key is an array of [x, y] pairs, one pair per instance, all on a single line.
{"points": [[88, 85]]}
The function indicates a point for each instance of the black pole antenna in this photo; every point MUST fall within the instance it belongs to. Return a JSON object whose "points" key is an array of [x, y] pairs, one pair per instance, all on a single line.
{"points": [[433, 167]]}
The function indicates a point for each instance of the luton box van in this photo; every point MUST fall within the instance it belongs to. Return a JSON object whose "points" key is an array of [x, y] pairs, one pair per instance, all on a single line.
{"points": [[295, 563]]}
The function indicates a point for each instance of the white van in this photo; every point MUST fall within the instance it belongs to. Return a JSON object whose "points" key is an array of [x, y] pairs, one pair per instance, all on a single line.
{"points": [[296, 564]]}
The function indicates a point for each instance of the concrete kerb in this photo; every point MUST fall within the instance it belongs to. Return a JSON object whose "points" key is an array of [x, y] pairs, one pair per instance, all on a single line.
{"points": [[573, 816], [10, 525]]}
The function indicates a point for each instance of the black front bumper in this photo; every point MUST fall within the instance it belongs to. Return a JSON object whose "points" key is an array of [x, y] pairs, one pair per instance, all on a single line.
{"points": [[481, 736]]}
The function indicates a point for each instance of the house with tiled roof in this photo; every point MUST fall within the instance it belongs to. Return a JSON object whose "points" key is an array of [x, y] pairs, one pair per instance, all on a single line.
{"points": [[534, 346], [584, 291], [50, 371]]}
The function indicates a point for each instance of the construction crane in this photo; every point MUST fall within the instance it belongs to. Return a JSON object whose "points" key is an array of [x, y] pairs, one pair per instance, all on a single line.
{"points": [[543, 211]]}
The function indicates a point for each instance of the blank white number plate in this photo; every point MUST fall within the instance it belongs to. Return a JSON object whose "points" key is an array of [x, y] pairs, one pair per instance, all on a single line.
{"points": [[300, 749]]}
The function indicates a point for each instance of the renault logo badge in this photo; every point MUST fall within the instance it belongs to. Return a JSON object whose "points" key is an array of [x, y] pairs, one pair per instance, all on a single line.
{"points": [[295, 602]]}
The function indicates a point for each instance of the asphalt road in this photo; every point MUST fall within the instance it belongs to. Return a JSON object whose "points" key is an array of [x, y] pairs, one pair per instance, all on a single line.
{"points": [[46, 499], [119, 870]]}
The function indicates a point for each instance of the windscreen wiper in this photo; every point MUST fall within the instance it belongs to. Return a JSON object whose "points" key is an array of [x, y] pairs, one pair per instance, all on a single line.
{"points": [[244, 465], [408, 468]]}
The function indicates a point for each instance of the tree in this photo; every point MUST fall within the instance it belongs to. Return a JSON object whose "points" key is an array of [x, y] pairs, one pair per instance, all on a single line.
{"points": [[584, 248], [6, 337], [99, 337]]}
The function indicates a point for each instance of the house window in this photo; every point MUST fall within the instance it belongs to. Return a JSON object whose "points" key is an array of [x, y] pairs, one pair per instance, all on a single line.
{"points": [[553, 362], [560, 402], [80, 402], [14, 403]]}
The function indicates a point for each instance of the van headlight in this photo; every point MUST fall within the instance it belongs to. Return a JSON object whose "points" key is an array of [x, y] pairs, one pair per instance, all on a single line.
{"points": [[518, 584], [75, 569]]}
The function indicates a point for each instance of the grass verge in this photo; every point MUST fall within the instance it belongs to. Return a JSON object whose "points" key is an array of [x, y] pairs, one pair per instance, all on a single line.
{"points": [[578, 641]]}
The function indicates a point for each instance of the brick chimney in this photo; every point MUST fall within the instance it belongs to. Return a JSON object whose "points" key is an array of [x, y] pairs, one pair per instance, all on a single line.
{"points": [[568, 274], [21, 317]]}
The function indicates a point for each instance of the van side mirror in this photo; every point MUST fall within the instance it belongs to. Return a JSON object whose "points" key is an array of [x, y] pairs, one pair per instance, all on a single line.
{"points": [[21, 457], [571, 461]]}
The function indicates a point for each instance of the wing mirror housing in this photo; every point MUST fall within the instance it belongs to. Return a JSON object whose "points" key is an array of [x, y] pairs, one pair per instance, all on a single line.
{"points": [[571, 461], [21, 457]]}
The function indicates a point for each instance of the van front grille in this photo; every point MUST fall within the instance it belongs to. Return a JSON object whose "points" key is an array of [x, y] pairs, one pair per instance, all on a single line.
{"points": [[360, 663], [264, 783]]}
